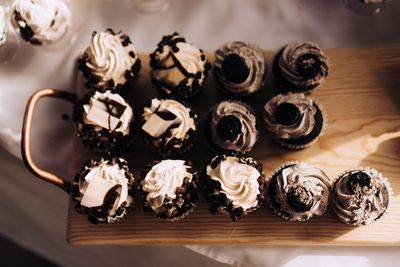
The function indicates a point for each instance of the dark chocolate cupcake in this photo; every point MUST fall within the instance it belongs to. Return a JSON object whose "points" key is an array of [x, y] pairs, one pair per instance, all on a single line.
{"points": [[104, 122], [103, 190], [295, 120], [234, 185], [361, 196], [298, 191], [169, 189], [178, 69], [168, 126], [231, 127], [300, 67], [240, 68], [110, 62]]}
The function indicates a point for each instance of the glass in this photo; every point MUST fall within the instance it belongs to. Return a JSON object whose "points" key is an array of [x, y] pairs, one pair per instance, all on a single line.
{"points": [[366, 7]]}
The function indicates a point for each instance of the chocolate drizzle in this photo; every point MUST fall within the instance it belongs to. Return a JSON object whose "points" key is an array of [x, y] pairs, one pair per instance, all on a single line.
{"points": [[114, 109]]}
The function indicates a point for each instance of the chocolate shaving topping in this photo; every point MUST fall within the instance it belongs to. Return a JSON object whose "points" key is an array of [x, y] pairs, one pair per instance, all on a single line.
{"points": [[235, 68], [287, 114], [114, 108], [359, 181], [299, 199], [165, 115], [308, 65], [229, 127]]}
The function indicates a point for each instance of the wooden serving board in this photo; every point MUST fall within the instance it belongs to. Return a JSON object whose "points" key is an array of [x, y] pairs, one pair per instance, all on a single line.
{"points": [[362, 99]]}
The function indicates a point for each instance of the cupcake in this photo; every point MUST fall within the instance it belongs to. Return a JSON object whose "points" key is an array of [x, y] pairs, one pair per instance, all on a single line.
{"points": [[178, 68], [231, 127], [104, 122], [169, 189], [41, 22], [300, 67], [234, 185], [110, 61], [361, 196], [239, 68], [168, 126], [298, 191], [295, 120], [103, 190]]}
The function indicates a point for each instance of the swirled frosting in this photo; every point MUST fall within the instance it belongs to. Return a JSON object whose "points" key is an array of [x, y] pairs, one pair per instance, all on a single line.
{"points": [[239, 181], [163, 180], [300, 127], [111, 57], [247, 67], [296, 54], [100, 182], [3, 26], [360, 196], [42, 21], [242, 127], [109, 111], [177, 64], [167, 119], [301, 191]]}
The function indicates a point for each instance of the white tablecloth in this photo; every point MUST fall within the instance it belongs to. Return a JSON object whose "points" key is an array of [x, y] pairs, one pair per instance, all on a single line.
{"points": [[34, 213]]}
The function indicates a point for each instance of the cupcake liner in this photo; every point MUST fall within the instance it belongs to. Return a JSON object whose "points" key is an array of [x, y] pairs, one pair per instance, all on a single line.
{"points": [[194, 184], [164, 149], [324, 122], [215, 148], [213, 197], [283, 85], [382, 179]]}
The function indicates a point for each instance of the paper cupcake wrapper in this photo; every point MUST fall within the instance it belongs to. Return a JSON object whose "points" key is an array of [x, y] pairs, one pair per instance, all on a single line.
{"points": [[218, 150], [302, 146], [277, 211], [382, 179]]}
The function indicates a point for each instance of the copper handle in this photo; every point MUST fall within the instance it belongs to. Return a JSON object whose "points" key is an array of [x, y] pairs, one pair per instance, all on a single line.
{"points": [[26, 136]]}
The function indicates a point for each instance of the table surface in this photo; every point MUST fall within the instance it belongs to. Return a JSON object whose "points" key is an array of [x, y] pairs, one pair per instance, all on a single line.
{"points": [[360, 98]]}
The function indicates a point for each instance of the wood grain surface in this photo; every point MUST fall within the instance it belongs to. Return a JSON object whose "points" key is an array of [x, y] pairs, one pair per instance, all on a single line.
{"points": [[362, 99]]}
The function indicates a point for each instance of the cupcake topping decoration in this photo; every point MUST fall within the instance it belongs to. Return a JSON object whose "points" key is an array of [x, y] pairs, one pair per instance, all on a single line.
{"points": [[110, 60], [300, 191], [104, 186], [240, 67], [361, 196], [41, 21], [238, 181], [3, 26], [303, 65], [290, 115], [109, 111], [168, 118], [165, 180], [177, 66], [235, 127]]}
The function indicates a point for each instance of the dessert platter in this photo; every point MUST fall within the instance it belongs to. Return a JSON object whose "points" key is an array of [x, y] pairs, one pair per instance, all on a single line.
{"points": [[240, 145]]}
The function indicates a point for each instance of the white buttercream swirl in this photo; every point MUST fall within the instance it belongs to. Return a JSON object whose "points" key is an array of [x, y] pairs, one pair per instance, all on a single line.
{"points": [[106, 173], [103, 118], [183, 118], [248, 132], [254, 59], [313, 180], [287, 63], [49, 20], [108, 58], [239, 182], [165, 68], [162, 181], [365, 205], [303, 126]]}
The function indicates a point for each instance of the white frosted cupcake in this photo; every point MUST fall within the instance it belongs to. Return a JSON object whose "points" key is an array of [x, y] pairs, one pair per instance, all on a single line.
{"points": [[169, 189], [110, 61], [361, 196], [234, 185], [103, 190], [41, 22], [298, 191]]}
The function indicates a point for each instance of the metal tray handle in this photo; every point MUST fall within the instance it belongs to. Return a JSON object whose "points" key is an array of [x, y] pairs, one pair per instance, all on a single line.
{"points": [[26, 136]]}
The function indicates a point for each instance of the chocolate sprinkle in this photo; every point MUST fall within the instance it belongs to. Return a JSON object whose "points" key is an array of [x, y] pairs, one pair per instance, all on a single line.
{"points": [[299, 199], [308, 65], [359, 180]]}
